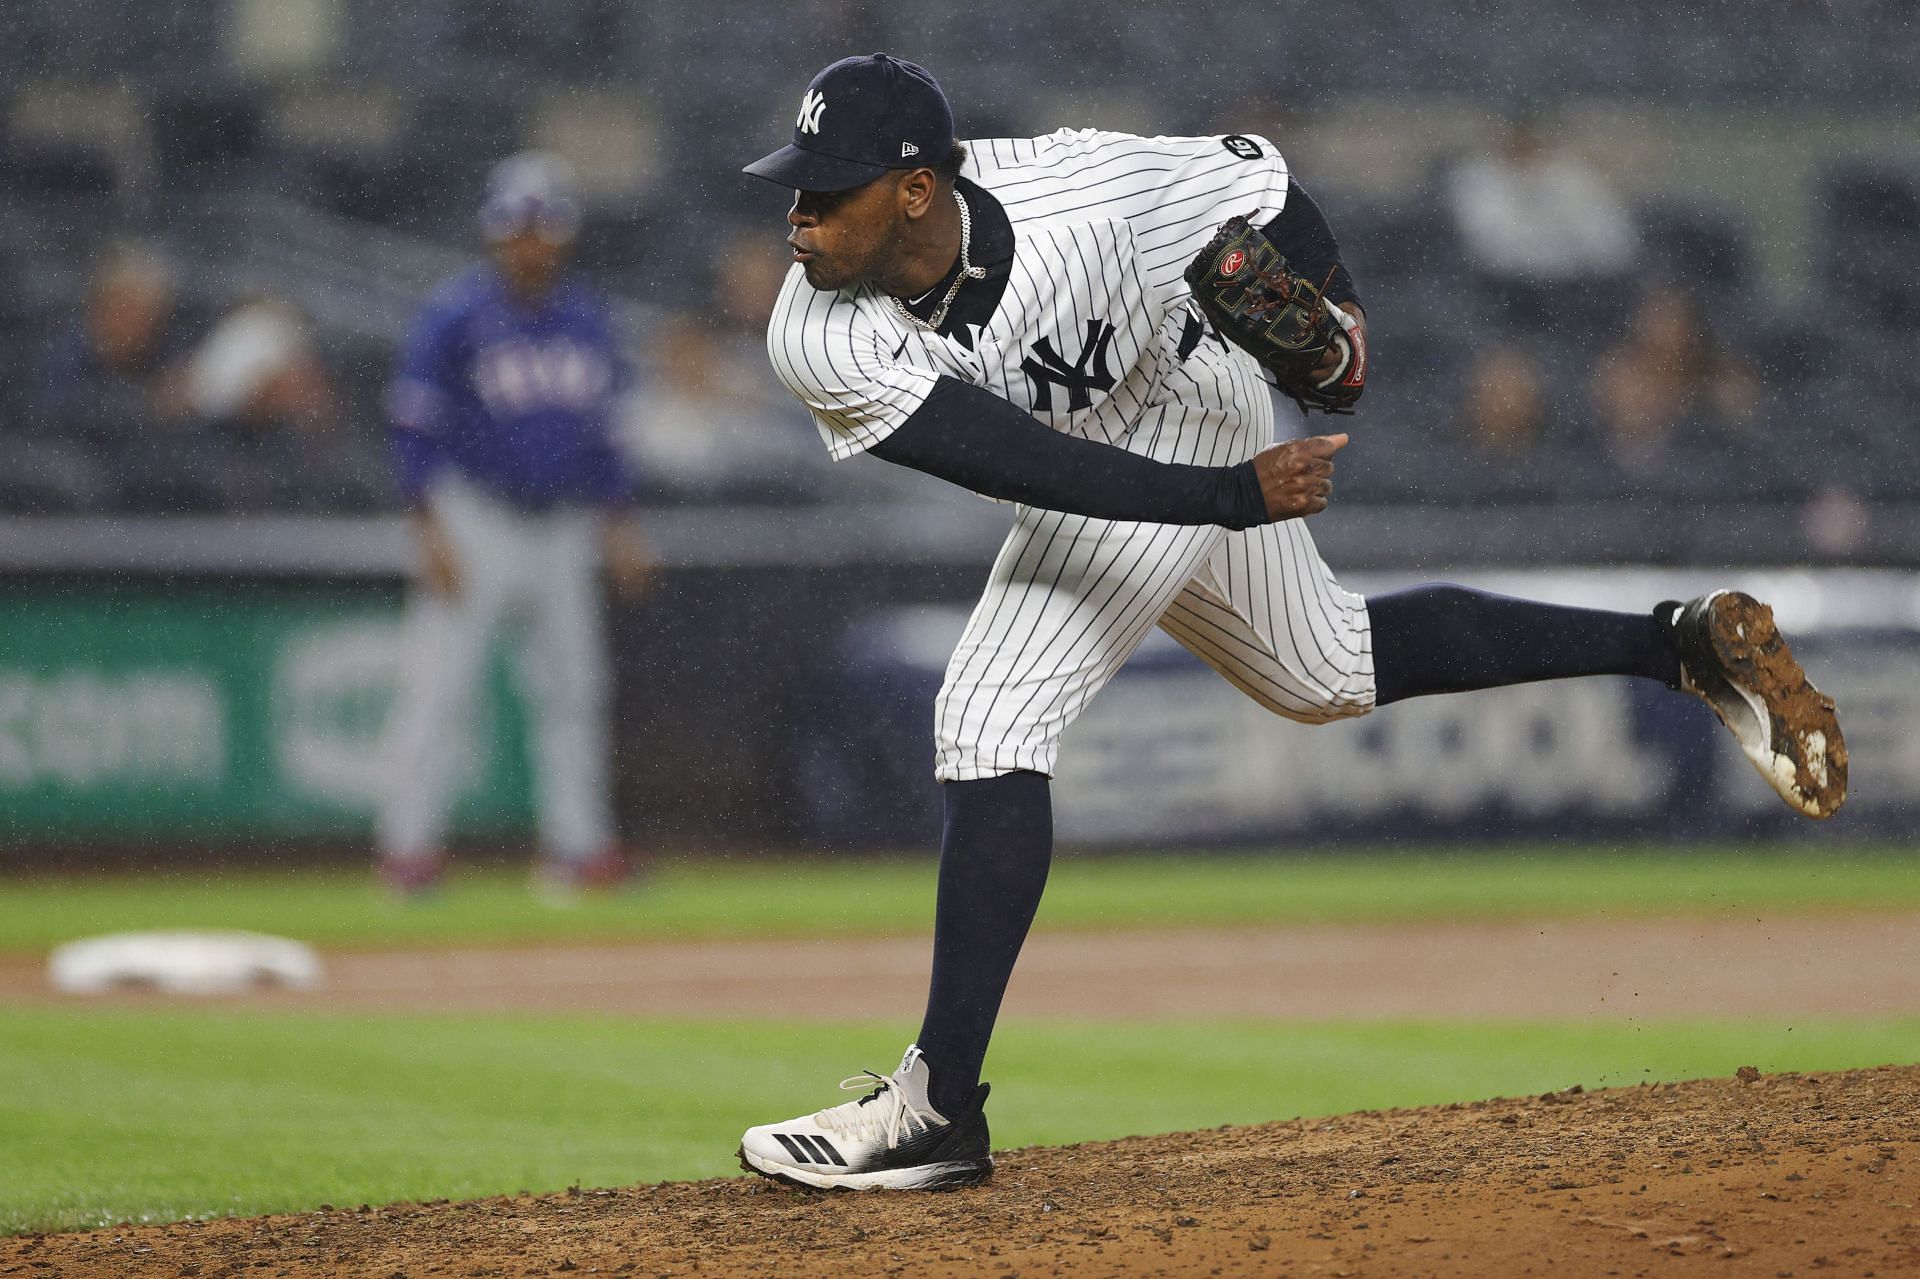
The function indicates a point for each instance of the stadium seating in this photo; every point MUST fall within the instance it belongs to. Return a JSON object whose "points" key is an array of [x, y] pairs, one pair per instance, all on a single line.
{"points": [[138, 121]]}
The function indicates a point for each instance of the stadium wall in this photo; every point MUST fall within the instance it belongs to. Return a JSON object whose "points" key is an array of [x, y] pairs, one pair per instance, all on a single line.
{"points": [[196, 690]]}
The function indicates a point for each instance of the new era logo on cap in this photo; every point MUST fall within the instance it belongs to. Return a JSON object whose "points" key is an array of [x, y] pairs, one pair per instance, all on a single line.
{"points": [[859, 118]]}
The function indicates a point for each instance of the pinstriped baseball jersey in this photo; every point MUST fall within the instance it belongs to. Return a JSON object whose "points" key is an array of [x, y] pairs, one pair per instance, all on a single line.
{"points": [[1089, 325], [1083, 321]]}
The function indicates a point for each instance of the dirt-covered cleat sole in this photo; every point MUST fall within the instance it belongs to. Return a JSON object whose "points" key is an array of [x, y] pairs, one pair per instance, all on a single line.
{"points": [[956, 1175], [1734, 658]]}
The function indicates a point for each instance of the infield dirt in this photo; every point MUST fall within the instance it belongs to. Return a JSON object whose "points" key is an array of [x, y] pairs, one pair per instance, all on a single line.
{"points": [[1559, 969], [1789, 1175]]}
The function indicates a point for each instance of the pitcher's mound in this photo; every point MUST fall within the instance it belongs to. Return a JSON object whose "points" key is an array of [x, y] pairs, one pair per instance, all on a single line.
{"points": [[1749, 1176]]}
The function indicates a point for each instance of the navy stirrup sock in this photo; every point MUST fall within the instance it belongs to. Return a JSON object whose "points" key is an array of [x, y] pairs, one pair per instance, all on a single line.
{"points": [[1443, 638], [994, 854]]}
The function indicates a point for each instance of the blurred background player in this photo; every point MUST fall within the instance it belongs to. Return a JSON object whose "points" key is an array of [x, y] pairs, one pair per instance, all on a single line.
{"points": [[502, 411]]}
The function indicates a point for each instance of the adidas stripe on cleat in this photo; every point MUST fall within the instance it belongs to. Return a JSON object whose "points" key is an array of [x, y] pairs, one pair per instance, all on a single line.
{"points": [[810, 1148], [890, 1139]]}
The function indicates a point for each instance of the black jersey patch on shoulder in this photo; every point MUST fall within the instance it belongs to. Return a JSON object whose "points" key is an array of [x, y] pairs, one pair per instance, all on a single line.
{"points": [[1244, 147]]}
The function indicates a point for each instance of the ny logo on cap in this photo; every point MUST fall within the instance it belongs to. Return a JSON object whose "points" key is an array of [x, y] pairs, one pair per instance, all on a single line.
{"points": [[810, 108]]}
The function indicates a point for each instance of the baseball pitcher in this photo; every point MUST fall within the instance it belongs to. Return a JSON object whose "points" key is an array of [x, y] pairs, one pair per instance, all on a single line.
{"points": [[1087, 325]]}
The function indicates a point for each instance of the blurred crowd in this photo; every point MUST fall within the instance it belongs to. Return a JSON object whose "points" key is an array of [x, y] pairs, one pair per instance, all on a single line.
{"points": [[1598, 373], [140, 404], [1544, 332], [1543, 338], [141, 400]]}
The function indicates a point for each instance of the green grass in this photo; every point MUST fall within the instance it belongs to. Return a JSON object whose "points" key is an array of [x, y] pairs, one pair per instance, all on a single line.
{"points": [[768, 899], [151, 1116], [109, 1115]]}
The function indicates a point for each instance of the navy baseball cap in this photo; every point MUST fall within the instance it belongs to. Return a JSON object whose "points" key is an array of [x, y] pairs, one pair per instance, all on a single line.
{"points": [[533, 189], [858, 119]]}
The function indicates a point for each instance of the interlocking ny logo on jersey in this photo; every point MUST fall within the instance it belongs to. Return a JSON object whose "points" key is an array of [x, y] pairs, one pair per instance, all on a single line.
{"points": [[1082, 378], [810, 108]]}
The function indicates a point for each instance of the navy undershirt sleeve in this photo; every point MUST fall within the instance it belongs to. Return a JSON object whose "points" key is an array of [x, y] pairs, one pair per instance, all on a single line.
{"points": [[971, 437], [1303, 237]]}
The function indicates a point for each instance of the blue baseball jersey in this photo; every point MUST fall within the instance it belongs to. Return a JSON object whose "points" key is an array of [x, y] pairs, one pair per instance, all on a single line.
{"points": [[517, 396]]}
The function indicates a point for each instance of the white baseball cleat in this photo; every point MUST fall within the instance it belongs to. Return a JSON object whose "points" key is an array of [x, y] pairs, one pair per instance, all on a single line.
{"points": [[890, 1139], [1733, 658]]}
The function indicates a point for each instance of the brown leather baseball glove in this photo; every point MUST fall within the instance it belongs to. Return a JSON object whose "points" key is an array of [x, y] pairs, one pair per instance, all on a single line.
{"points": [[1245, 288]]}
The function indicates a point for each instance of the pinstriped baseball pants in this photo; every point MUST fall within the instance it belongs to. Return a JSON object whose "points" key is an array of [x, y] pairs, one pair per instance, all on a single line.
{"points": [[1070, 598]]}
